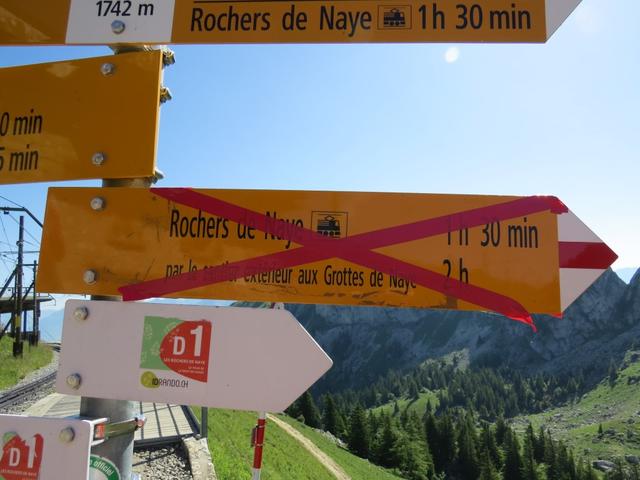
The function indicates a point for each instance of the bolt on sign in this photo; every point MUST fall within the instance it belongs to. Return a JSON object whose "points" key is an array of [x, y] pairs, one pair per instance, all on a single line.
{"points": [[44, 448], [511, 255], [47, 22], [221, 357], [80, 119]]}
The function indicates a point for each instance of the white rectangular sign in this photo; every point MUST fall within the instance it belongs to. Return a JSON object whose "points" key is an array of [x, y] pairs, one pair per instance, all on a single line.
{"points": [[44, 448], [112, 22], [240, 358]]}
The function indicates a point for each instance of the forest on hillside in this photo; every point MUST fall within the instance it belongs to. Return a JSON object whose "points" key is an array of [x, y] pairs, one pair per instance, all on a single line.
{"points": [[462, 434]]}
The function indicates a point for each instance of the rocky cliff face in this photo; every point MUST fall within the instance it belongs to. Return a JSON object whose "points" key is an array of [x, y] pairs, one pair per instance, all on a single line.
{"points": [[365, 342]]}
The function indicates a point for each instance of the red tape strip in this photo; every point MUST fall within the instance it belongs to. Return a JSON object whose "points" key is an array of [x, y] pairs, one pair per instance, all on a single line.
{"points": [[356, 249]]}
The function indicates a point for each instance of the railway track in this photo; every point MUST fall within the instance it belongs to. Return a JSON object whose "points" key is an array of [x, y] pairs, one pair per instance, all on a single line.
{"points": [[17, 395]]}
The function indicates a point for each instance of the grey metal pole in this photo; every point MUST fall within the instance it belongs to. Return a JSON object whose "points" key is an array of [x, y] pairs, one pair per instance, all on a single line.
{"points": [[118, 450], [204, 422]]}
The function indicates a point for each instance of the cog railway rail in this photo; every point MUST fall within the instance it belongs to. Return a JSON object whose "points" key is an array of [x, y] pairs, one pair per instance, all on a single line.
{"points": [[17, 395]]}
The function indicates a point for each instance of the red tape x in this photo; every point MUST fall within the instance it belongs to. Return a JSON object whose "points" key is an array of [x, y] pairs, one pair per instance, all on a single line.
{"points": [[357, 249]]}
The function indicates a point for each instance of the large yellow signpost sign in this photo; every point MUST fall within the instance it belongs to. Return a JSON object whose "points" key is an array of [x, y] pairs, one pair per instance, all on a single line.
{"points": [[80, 119], [278, 21], [415, 250]]}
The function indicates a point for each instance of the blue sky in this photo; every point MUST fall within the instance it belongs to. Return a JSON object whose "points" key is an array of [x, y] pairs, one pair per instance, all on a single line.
{"points": [[560, 118]]}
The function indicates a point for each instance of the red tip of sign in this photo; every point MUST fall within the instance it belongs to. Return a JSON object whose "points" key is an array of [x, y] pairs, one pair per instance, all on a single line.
{"points": [[527, 320], [586, 255], [556, 205]]}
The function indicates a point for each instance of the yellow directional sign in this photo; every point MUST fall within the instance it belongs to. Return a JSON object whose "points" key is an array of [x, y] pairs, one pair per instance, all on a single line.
{"points": [[79, 119], [277, 21], [415, 250]]}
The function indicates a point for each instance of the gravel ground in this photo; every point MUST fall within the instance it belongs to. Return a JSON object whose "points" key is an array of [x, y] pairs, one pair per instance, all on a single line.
{"points": [[170, 463], [160, 463]]}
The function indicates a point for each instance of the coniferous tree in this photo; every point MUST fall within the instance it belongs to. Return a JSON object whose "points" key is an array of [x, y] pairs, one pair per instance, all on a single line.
{"points": [[374, 424], [309, 410], [332, 418], [411, 462], [414, 392], [489, 446], [434, 442], [590, 474], [529, 467], [467, 460], [538, 446], [384, 452], [613, 373], [566, 464], [501, 430], [429, 407], [447, 436], [551, 459], [513, 460], [488, 470], [359, 438]]}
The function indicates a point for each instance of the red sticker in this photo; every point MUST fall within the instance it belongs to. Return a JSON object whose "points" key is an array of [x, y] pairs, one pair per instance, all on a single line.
{"points": [[21, 459], [185, 349]]}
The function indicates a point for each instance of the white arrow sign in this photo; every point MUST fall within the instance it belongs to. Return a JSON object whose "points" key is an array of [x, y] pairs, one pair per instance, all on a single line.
{"points": [[44, 448], [240, 358]]}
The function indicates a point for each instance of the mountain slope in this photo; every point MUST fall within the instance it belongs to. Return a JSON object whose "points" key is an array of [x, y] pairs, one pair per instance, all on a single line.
{"points": [[613, 404], [366, 342]]}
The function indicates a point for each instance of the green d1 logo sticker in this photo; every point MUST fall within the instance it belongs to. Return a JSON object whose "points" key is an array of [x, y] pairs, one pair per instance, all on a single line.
{"points": [[101, 468], [181, 346]]}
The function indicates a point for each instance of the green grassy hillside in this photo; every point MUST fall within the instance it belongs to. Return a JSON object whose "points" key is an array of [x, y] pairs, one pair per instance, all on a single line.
{"points": [[614, 405], [418, 405], [356, 467], [15, 369], [284, 457]]}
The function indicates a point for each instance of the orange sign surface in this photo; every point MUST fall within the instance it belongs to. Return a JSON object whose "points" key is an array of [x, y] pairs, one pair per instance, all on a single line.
{"points": [[388, 249], [80, 119], [276, 21]]}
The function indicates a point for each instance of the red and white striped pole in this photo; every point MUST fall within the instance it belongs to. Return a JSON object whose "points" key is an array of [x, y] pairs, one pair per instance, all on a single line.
{"points": [[258, 443], [257, 438]]}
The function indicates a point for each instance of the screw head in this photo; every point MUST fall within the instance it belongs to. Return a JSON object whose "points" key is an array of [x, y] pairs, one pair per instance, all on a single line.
{"points": [[168, 57], [98, 204], [165, 95], [90, 277], [67, 435], [140, 420], [81, 313], [74, 380], [107, 69], [118, 26], [98, 158]]}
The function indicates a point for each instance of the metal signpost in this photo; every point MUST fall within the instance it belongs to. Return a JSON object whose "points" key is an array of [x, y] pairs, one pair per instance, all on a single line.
{"points": [[216, 357], [53, 22], [53, 125], [45, 448], [512, 255], [507, 254]]}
